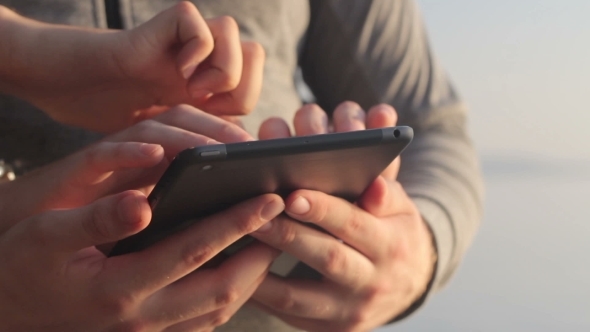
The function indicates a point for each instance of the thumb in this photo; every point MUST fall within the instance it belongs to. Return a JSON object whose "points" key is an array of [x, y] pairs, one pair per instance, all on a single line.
{"points": [[385, 198], [182, 25], [106, 220]]}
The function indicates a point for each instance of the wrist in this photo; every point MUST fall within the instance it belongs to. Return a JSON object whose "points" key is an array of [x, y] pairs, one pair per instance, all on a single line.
{"points": [[427, 277]]}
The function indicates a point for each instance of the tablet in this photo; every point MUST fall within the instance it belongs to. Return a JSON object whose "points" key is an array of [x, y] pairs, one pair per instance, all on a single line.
{"points": [[204, 180]]}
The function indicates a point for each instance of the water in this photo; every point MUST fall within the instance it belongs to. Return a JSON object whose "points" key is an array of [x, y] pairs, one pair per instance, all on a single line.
{"points": [[523, 68]]}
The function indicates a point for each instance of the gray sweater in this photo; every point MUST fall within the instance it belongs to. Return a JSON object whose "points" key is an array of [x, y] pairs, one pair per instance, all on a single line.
{"points": [[368, 51]]}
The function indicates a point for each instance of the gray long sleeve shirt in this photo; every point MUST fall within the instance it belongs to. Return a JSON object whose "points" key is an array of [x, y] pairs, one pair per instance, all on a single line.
{"points": [[368, 51]]}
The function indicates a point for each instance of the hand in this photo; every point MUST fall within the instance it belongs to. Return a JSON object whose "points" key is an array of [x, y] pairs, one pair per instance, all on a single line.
{"points": [[378, 256], [105, 80], [54, 279], [115, 164]]}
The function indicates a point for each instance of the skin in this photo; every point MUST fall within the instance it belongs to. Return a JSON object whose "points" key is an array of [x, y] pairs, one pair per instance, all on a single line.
{"points": [[57, 186], [54, 278], [108, 80], [378, 256]]}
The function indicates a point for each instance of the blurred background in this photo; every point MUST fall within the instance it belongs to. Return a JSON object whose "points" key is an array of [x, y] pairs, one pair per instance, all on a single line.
{"points": [[523, 67]]}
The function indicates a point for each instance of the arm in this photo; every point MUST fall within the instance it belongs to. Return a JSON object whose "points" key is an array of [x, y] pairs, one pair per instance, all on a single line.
{"points": [[383, 46], [106, 80], [54, 279]]}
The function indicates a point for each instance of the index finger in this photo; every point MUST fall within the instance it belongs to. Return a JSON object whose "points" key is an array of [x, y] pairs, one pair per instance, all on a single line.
{"points": [[178, 255]]}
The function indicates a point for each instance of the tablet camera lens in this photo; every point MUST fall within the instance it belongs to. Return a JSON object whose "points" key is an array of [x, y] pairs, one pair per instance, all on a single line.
{"points": [[396, 133]]}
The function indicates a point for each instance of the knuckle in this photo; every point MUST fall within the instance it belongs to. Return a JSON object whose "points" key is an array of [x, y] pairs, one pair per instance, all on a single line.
{"points": [[288, 233], [286, 300], [335, 260], [374, 291], [227, 24], [353, 225], [97, 227], [228, 81], [235, 132], [220, 318], [197, 254], [179, 111], [247, 225], [227, 295], [348, 109], [120, 305], [143, 128], [253, 50], [358, 317], [392, 250], [191, 139]]}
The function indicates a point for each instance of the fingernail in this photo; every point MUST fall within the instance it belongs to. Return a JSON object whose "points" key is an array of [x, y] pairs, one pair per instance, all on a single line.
{"points": [[265, 228], [149, 149], [299, 206], [189, 70], [272, 210], [200, 93]]}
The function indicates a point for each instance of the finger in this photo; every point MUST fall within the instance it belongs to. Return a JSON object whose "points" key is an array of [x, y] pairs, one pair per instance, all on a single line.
{"points": [[340, 218], [204, 291], [222, 70], [181, 24], [333, 259], [197, 121], [299, 298], [348, 116], [274, 128], [233, 119], [307, 324], [106, 220], [179, 254], [171, 138], [101, 159], [385, 198], [310, 120], [381, 116], [216, 318], [243, 98]]}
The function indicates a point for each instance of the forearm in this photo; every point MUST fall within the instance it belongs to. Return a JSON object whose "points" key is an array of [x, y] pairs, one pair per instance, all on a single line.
{"points": [[37, 57]]}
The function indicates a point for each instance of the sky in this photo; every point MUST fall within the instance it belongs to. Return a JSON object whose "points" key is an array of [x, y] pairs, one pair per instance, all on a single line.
{"points": [[523, 67]]}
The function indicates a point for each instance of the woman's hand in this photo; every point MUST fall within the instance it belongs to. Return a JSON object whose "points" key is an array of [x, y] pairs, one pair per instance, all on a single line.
{"points": [[108, 80]]}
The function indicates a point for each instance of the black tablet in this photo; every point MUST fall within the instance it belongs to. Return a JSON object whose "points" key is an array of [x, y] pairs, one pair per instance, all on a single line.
{"points": [[208, 179]]}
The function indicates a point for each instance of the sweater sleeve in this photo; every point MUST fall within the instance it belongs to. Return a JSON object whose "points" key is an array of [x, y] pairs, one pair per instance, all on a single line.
{"points": [[376, 51]]}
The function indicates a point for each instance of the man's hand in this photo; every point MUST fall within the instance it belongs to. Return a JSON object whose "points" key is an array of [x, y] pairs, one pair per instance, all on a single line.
{"points": [[106, 80], [54, 279], [131, 159], [378, 256]]}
